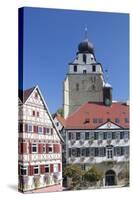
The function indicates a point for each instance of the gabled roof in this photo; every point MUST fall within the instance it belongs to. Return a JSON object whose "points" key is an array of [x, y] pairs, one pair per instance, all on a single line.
{"points": [[92, 115], [24, 95]]}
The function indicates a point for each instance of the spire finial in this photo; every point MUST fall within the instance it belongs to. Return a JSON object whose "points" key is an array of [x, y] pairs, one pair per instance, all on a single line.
{"points": [[86, 32]]}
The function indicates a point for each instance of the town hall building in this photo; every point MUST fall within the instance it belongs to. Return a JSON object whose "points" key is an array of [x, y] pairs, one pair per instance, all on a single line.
{"points": [[96, 130]]}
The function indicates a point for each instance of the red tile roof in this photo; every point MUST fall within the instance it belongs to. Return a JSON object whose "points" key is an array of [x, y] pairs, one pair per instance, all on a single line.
{"points": [[83, 117]]}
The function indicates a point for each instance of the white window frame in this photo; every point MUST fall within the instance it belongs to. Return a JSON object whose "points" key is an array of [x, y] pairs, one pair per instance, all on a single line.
{"points": [[33, 145], [36, 167], [109, 152], [23, 168]]}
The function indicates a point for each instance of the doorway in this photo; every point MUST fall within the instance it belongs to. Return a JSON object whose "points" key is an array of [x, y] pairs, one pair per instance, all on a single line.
{"points": [[110, 178]]}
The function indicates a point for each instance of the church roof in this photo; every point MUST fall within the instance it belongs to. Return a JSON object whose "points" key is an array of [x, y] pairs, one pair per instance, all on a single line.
{"points": [[92, 115], [85, 47]]}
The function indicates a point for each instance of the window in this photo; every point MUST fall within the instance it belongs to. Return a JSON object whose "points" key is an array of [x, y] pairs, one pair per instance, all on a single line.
{"points": [[117, 136], [87, 135], [78, 152], [50, 148], [109, 136], [74, 152], [44, 148], [55, 167], [118, 151], [36, 95], [84, 71], [91, 136], [117, 120], [82, 136], [37, 114], [109, 152], [121, 135], [75, 68], [92, 151], [40, 129], [113, 135], [47, 130], [69, 152], [96, 135], [105, 135], [84, 58], [47, 168], [33, 113], [83, 151], [126, 135], [30, 128], [34, 148], [57, 123], [77, 86], [100, 136], [23, 170], [93, 68], [126, 120], [36, 169], [69, 136], [78, 136]]}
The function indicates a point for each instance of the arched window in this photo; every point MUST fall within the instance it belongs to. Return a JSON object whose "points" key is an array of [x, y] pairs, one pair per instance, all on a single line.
{"points": [[84, 58]]}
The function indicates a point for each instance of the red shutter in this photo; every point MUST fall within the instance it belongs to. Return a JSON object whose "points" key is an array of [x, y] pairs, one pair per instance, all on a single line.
{"points": [[51, 168], [24, 146], [30, 148], [44, 130], [59, 167], [35, 129], [58, 148], [47, 148], [42, 169], [30, 170], [40, 148]]}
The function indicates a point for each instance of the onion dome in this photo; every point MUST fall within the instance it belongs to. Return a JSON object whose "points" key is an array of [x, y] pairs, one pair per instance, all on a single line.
{"points": [[86, 47]]}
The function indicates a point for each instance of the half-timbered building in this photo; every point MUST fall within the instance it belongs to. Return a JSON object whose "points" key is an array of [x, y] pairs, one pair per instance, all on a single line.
{"points": [[39, 144]]}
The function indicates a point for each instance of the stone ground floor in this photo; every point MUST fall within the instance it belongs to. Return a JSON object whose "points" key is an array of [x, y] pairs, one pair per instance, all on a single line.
{"points": [[113, 174]]}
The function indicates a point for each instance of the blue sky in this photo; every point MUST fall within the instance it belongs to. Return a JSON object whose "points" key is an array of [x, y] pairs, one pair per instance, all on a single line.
{"points": [[51, 38]]}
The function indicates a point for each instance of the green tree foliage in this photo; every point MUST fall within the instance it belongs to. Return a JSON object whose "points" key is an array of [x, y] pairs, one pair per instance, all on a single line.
{"points": [[92, 175], [74, 172], [61, 111]]}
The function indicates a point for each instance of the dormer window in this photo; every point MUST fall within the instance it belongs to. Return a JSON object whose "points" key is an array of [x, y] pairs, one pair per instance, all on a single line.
{"points": [[36, 95], [75, 68]]}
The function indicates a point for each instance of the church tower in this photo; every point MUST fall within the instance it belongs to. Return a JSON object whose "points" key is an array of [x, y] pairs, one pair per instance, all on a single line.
{"points": [[84, 80]]}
